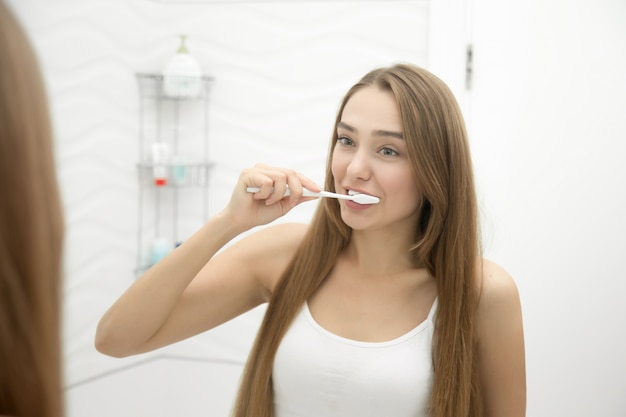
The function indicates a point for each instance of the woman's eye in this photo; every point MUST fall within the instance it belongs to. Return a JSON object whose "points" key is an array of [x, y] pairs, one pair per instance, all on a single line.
{"points": [[345, 141], [388, 152]]}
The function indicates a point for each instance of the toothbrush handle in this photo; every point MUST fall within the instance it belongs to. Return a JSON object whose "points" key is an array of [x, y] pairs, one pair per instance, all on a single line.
{"points": [[360, 198], [305, 192], [335, 195]]}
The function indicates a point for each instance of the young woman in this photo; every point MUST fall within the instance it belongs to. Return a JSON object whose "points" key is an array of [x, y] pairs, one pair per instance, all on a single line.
{"points": [[374, 310], [31, 235]]}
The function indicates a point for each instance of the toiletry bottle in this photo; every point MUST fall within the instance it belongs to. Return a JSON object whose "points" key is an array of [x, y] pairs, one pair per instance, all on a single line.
{"points": [[160, 156], [182, 74], [179, 170]]}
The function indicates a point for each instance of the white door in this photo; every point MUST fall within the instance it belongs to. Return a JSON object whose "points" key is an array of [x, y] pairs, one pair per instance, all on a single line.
{"points": [[548, 129]]}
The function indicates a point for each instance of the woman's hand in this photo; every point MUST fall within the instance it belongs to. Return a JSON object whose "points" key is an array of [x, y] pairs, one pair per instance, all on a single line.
{"points": [[269, 203]]}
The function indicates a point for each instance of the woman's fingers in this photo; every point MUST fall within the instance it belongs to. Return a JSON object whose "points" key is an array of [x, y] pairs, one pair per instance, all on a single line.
{"points": [[273, 183], [270, 202], [297, 183]]}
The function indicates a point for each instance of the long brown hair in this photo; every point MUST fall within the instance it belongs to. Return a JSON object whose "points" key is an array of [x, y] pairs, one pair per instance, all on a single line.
{"points": [[446, 242], [31, 234]]}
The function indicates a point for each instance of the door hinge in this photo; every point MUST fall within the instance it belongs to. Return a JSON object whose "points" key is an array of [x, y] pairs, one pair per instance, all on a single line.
{"points": [[468, 67]]}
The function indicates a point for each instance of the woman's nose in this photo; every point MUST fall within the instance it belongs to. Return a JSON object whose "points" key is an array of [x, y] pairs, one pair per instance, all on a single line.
{"points": [[359, 166]]}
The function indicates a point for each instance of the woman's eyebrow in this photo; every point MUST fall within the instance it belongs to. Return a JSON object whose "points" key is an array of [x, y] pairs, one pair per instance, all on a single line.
{"points": [[343, 125], [397, 135], [382, 132]]}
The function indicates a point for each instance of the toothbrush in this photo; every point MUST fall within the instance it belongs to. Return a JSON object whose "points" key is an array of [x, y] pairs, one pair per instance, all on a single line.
{"points": [[357, 198]]}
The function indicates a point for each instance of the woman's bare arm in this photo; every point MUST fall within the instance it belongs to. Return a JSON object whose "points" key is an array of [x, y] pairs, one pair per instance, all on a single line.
{"points": [[193, 289], [501, 342]]}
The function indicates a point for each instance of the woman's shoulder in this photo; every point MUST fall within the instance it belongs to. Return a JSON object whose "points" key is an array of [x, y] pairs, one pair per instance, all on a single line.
{"points": [[495, 280], [270, 249], [283, 235], [274, 241], [495, 284], [498, 291]]}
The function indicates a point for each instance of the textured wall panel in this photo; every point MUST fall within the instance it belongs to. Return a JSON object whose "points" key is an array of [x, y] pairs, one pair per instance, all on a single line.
{"points": [[280, 68]]}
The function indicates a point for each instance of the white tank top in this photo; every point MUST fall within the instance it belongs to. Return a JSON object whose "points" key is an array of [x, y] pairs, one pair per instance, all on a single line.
{"points": [[319, 374]]}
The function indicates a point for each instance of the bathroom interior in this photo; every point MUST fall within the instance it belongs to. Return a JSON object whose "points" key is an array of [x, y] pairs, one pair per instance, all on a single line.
{"points": [[542, 86]]}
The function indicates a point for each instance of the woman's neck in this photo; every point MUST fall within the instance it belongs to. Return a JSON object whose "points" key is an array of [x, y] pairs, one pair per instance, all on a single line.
{"points": [[380, 253]]}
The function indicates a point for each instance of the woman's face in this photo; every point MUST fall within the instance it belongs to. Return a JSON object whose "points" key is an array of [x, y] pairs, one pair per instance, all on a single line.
{"points": [[370, 157]]}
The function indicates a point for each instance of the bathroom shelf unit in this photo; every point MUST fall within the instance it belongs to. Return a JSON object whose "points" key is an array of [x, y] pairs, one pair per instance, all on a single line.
{"points": [[174, 166]]}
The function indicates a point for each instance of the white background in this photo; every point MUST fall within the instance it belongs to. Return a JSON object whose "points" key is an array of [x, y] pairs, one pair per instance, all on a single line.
{"points": [[547, 122]]}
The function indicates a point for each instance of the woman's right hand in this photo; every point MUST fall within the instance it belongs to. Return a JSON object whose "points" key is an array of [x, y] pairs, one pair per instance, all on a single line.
{"points": [[269, 203]]}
